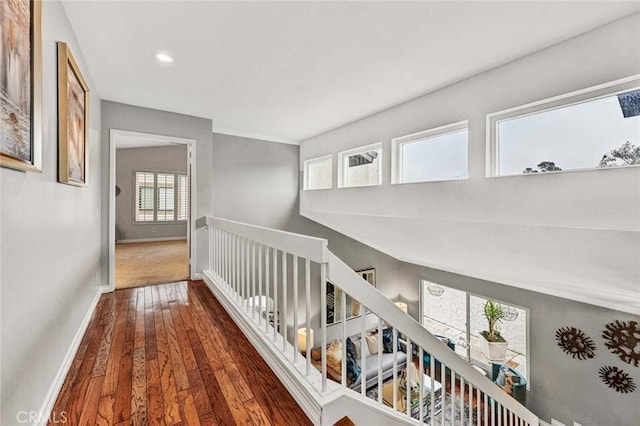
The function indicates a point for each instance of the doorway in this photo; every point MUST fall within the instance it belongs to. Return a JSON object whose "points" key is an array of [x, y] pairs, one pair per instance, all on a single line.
{"points": [[151, 209]]}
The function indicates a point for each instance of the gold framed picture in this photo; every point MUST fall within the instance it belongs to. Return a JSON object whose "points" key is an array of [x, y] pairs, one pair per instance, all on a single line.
{"points": [[73, 120], [21, 85]]}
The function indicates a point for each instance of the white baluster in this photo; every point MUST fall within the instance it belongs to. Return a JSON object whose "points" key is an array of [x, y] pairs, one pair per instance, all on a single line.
{"points": [[285, 302], [363, 346], [323, 319], [307, 311], [432, 374], [267, 275], [409, 359], [421, 374], [395, 367], [275, 293], [294, 272], [379, 341], [343, 333], [260, 284]]}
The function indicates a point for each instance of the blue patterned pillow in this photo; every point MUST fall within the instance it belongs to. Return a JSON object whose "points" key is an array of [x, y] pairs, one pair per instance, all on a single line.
{"points": [[353, 368], [387, 341]]}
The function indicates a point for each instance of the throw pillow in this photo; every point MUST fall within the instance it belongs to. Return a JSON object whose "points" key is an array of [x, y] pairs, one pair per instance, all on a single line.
{"points": [[334, 356], [506, 379], [353, 368], [372, 343], [387, 341]]}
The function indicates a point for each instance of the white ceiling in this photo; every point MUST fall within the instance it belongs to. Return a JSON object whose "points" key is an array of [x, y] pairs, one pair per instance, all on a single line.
{"points": [[287, 71]]}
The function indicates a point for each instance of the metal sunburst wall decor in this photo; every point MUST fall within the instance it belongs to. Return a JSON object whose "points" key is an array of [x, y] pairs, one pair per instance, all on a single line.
{"points": [[575, 343], [623, 339], [617, 379]]}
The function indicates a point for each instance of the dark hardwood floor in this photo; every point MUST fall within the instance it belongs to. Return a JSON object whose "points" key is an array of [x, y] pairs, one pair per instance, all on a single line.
{"points": [[170, 355]]}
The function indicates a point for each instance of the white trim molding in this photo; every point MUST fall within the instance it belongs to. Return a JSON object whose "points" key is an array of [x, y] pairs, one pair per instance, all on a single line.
{"points": [[151, 240]]}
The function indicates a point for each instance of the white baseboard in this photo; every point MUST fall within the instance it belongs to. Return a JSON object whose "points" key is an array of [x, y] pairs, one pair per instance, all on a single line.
{"points": [[198, 276], [150, 240], [52, 395]]}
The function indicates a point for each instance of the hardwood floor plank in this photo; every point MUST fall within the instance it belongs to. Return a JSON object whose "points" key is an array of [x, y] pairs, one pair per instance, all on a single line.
{"points": [[167, 382], [179, 371], [105, 411], [92, 401], [258, 418], [170, 355], [239, 413], [139, 389], [155, 409], [218, 405], [188, 409], [200, 397], [122, 409], [110, 384]]}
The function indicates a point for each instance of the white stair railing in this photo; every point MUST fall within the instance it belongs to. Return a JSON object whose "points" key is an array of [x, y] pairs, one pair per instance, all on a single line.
{"points": [[270, 274]]}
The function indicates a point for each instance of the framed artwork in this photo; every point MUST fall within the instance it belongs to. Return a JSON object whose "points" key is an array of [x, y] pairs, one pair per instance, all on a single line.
{"points": [[73, 119], [21, 85], [352, 306]]}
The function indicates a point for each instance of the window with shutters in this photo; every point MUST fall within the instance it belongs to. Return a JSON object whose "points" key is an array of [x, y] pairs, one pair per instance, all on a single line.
{"points": [[160, 197]]}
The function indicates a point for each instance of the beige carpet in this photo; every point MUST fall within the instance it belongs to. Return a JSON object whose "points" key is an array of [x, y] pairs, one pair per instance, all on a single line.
{"points": [[139, 264]]}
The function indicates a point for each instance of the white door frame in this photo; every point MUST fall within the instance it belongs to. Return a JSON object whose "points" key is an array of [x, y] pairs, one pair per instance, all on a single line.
{"points": [[114, 135]]}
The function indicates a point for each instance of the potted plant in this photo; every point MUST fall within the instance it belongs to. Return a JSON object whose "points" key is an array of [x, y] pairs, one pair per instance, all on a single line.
{"points": [[494, 346]]}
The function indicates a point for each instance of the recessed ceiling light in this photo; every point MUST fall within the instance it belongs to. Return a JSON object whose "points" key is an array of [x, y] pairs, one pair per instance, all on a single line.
{"points": [[164, 57]]}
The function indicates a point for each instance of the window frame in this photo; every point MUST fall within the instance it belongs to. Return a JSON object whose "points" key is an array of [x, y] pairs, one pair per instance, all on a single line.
{"points": [[398, 143], [343, 167], [155, 220], [423, 283], [588, 94], [305, 171]]}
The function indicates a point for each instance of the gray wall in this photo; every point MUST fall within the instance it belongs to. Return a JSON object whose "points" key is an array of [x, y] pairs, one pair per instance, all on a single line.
{"points": [[49, 247], [562, 388], [129, 160], [145, 120]]}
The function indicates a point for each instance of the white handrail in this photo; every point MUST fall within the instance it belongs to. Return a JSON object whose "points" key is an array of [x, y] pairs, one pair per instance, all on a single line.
{"points": [[312, 248], [351, 283]]}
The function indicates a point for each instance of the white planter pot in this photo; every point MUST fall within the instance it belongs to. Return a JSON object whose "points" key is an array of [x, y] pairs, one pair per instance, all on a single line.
{"points": [[495, 351]]}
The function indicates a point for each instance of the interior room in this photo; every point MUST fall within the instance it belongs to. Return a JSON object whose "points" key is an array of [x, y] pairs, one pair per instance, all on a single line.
{"points": [[320, 213]]}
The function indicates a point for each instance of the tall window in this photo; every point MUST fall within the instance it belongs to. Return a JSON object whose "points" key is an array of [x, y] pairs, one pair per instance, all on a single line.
{"points": [[361, 166], [160, 197], [459, 316], [318, 173], [593, 130], [433, 155]]}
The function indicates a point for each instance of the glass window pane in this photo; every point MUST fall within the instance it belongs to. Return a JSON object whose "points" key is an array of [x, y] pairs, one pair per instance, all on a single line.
{"points": [[363, 168], [441, 157], [144, 193], [597, 133], [319, 173]]}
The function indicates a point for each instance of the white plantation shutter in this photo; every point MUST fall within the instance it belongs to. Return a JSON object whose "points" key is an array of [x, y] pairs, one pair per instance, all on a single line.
{"points": [[183, 197], [145, 190], [161, 197]]}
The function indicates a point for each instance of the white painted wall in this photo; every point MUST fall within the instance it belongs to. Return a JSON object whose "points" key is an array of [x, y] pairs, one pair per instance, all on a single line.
{"points": [[50, 246], [572, 234]]}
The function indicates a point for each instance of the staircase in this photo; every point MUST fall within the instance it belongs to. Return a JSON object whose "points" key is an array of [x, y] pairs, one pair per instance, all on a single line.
{"points": [[273, 284]]}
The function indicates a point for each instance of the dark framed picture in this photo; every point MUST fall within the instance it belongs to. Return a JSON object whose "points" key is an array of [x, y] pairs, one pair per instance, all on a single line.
{"points": [[73, 119], [21, 85], [352, 306]]}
